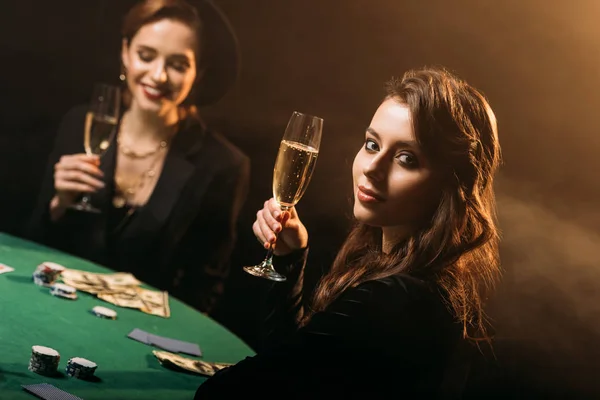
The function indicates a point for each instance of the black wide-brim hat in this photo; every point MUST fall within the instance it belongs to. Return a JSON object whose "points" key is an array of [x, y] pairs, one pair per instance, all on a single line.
{"points": [[221, 52]]}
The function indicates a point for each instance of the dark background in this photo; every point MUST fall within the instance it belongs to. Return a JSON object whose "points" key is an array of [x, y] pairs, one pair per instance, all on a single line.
{"points": [[537, 61]]}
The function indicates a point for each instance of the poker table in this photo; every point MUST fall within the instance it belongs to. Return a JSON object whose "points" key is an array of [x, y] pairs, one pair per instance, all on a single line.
{"points": [[127, 369]]}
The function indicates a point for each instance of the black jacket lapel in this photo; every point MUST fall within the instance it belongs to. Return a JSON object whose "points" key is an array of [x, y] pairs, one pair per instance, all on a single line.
{"points": [[177, 170]]}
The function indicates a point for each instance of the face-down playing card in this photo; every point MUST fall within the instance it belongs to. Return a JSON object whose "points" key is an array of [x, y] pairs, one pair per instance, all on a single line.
{"points": [[47, 391]]}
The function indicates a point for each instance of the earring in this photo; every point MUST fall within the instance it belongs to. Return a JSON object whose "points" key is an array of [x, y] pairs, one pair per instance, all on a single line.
{"points": [[122, 77]]}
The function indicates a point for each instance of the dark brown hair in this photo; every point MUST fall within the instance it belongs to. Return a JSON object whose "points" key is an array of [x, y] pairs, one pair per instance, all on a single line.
{"points": [[457, 248], [149, 11]]}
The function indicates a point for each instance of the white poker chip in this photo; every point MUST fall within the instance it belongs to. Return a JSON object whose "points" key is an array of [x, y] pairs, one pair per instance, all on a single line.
{"points": [[44, 360], [64, 296], [104, 312], [53, 266], [66, 289], [46, 273], [82, 362], [81, 368], [45, 351]]}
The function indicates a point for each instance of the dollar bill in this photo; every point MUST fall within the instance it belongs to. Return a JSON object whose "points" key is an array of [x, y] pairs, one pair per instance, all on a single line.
{"points": [[148, 301], [121, 289], [175, 361]]}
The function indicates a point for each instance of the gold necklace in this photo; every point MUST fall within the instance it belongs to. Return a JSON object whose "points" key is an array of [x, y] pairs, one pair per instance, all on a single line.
{"points": [[125, 189], [129, 152]]}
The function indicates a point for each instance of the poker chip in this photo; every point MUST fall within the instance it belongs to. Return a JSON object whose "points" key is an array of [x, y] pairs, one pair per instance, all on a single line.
{"points": [[44, 360], [104, 312], [64, 291], [46, 273], [80, 368]]}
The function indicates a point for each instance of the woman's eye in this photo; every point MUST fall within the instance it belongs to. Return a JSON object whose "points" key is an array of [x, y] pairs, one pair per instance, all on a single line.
{"points": [[408, 160], [371, 145], [145, 56], [181, 67]]}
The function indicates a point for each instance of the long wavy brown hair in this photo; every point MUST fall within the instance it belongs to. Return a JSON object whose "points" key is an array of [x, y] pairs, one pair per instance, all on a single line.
{"points": [[457, 248]]}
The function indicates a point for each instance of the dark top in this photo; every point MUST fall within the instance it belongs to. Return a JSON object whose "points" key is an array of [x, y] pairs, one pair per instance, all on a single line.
{"points": [[387, 338], [181, 239]]}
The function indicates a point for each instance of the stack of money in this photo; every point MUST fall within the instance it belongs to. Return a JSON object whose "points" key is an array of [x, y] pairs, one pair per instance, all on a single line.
{"points": [[121, 289]]}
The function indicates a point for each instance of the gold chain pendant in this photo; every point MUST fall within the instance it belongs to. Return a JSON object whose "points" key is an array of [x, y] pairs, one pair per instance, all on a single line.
{"points": [[119, 201]]}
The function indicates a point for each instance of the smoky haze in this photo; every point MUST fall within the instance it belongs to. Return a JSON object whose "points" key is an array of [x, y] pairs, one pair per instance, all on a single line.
{"points": [[547, 309]]}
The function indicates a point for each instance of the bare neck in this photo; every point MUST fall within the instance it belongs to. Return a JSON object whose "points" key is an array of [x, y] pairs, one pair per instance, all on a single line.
{"points": [[143, 126]]}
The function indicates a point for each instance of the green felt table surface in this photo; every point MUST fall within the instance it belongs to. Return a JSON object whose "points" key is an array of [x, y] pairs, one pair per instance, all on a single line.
{"points": [[127, 369]]}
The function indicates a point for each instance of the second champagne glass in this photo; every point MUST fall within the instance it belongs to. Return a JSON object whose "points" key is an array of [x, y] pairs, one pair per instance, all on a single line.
{"points": [[100, 127], [293, 170]]}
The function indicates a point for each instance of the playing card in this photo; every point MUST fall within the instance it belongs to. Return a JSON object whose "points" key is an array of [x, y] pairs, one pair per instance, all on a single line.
{"points": [[189, 348], [175, 346], [5, 268], [165, 343], [139, 335], [49, 392]]}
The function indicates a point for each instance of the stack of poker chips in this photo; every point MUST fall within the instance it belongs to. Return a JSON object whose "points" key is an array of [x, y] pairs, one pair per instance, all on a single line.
{"points": [[46, 273], [65, 291], [80, 368], [104, 312], [44, 360]]}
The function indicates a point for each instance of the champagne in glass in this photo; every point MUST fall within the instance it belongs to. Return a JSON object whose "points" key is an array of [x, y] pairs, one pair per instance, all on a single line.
{"points": [[100, 127], [293, 170], [99, 130]]}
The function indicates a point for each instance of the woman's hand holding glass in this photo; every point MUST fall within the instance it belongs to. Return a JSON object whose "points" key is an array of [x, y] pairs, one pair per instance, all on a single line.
{"points": [[74, 175], [282, 229]]}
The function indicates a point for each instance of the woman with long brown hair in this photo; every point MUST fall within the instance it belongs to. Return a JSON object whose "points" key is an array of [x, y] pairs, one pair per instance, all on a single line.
{"points": [[169, 188], [408, 285]]}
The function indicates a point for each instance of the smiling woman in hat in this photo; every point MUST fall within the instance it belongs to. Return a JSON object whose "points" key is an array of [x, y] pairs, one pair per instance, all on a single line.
{"points": [[169, 189]]}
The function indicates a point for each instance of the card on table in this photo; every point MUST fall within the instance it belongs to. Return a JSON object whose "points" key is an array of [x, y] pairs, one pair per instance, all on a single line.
{"points": [[47, 391], [172, 345], [5, 268], [189, 348], [163, 343], [139, 335]]}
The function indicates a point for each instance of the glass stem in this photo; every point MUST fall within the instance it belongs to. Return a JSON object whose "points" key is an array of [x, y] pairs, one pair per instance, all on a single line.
{"points": [[268, 262]]}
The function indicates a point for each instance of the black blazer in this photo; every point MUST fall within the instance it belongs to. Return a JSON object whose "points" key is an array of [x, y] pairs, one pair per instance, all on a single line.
{"points": [[386, 338], [181, 239]]}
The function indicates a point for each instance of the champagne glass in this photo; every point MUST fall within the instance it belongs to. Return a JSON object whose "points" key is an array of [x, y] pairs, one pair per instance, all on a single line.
{"points": [[293, 170], [100, 127]]}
